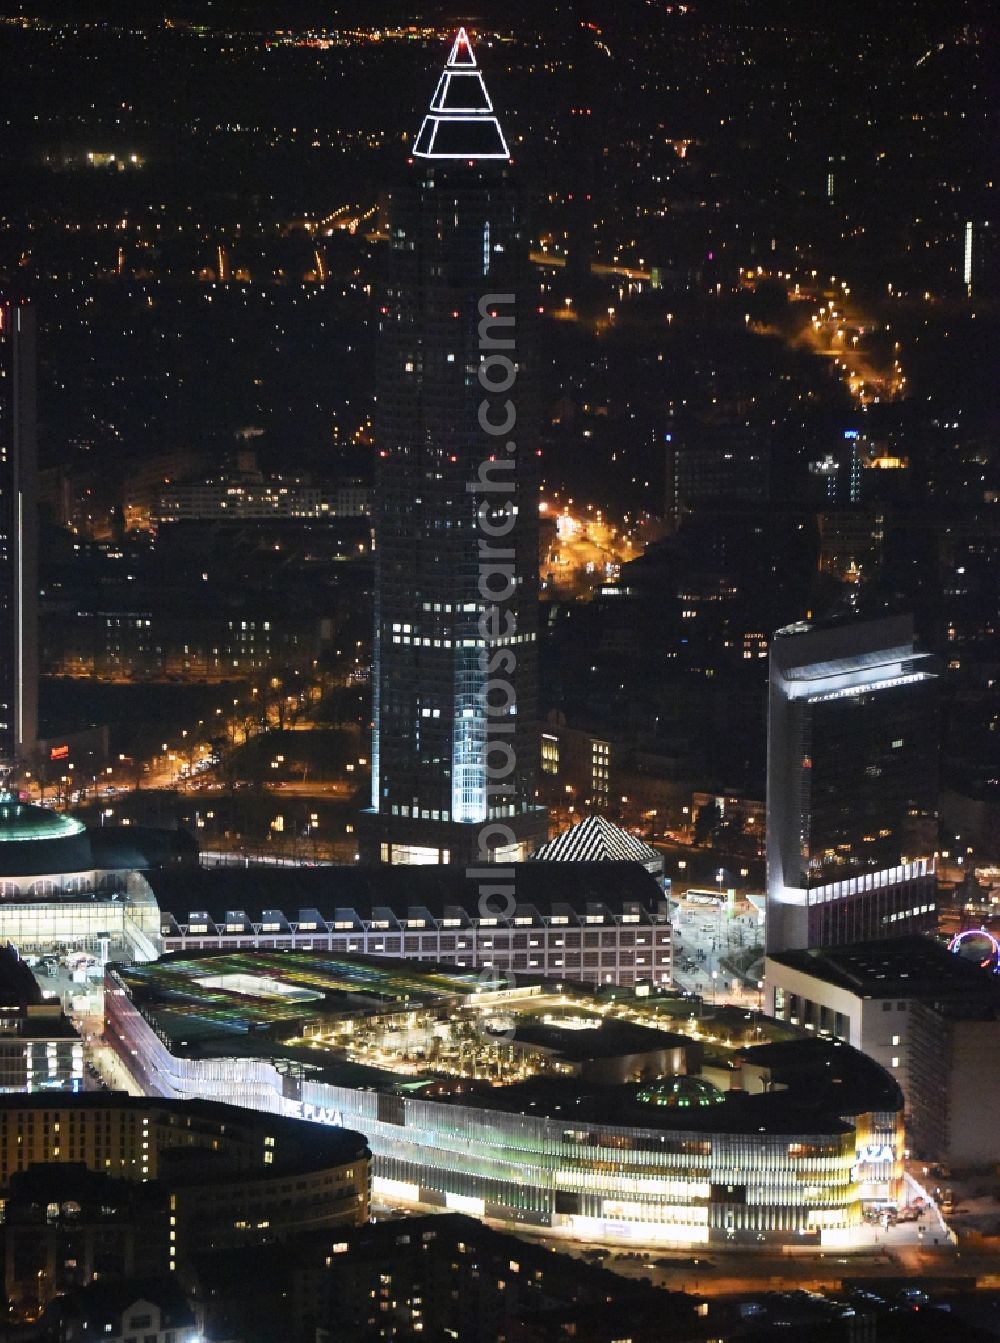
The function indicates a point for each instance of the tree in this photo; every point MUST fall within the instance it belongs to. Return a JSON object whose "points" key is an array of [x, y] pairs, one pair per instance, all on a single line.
{"points": [[706, 822]]}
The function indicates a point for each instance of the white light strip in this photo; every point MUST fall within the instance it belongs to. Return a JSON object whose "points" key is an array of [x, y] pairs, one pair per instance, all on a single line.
{"points": [[431, 153], [461, 61], [869, 687], [440, 100], [462, 44]]}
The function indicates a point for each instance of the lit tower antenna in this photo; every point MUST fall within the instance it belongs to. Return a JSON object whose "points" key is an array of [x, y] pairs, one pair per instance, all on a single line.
{"points": [[458, 289], [461, 123]]}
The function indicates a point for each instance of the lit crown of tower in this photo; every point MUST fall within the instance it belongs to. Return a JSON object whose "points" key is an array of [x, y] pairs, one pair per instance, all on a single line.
{"points": [[461, 123]]}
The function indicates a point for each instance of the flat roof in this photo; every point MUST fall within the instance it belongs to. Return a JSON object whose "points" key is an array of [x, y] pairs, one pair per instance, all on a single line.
{"points": [[897, 967], [607, 1038], [193, 1002], [830, 1073], [214, 992], [435, 888], [780, 1112]]}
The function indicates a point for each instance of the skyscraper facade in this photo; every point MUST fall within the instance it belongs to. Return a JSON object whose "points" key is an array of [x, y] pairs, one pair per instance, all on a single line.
{"points": [[455, 510], [18, 536], [851, 785]]}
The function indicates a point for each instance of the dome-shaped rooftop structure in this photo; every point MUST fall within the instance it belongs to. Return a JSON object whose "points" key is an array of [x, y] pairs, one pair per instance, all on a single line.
{"points": [[681, 1093], [35, 841]]}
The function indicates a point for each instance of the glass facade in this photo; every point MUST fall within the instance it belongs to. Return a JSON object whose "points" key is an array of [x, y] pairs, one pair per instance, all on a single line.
{"points": [[871, 780], [457, 242], [100, 909], [851, 785], [603, 1182]]}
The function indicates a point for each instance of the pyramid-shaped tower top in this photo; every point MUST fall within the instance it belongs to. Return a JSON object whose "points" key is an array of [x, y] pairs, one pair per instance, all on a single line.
{"points": [[461, 123], [461, 52]]}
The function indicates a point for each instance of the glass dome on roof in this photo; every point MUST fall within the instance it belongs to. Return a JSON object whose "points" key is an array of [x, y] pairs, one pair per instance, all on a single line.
{"points": [[36, 842], [681, 1093], [20, 821]]}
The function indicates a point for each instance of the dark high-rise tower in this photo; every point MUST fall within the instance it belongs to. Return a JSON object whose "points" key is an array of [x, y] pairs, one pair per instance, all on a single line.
{"points": [[455, 413], [851, 785], [18, 536]]}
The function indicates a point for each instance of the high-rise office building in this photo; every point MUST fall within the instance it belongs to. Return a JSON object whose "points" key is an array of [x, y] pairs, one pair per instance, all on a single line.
{"points": [[851, 785], [455, 497], [716, 464], [18, 535]]}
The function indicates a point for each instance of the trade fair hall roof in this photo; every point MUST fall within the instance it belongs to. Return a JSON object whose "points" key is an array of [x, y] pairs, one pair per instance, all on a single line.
{"points": [[216, 891]]}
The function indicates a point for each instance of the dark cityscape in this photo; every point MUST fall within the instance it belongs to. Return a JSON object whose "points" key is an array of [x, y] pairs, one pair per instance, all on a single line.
{"points": [[499, 672]]}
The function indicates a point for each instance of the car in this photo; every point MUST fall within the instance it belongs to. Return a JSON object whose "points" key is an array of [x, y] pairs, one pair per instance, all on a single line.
{"points": [[914, 1296]]}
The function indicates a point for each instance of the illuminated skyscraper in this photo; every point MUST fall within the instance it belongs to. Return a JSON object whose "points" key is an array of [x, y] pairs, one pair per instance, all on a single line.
{"points": [[18, 535], [851, 785], [456, 408]]}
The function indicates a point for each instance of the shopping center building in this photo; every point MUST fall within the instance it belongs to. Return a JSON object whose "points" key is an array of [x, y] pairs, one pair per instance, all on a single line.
{"points": [[587, 1115]]}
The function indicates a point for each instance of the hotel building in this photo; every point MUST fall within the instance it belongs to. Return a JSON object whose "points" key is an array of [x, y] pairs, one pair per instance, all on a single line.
{"points": [[604, 923], [851, 785]]}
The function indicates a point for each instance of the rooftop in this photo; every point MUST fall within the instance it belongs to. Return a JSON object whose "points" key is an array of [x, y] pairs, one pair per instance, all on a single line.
{"points": [[398, 889], [828, 1074], [779, 1112], [239, 991], [396, 1027], [872, 650], [899, 967], [460, 123], [598, 840], [20, 821], [36, 841], [600, 1038]]}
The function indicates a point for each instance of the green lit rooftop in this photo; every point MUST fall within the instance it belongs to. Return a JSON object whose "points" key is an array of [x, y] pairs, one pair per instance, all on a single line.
{"points": [[240, 991], [681, 1093]]}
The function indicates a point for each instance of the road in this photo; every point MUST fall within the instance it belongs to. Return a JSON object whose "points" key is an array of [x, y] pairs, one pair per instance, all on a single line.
{"points": [[590, 547], [838, 332], [732, 1272]]}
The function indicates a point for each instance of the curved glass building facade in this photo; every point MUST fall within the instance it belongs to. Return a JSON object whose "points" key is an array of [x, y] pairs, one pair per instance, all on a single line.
{"points": [[577, 1161]]}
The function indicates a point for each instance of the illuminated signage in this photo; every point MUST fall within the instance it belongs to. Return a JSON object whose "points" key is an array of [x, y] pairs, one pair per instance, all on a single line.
{"points": [[322, 1114], [876, 1152], [59, 753]]}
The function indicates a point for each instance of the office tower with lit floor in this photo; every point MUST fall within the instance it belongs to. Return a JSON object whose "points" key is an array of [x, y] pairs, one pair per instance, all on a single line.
{"points": [[851, 785], [18, 536], [456, 408]]}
